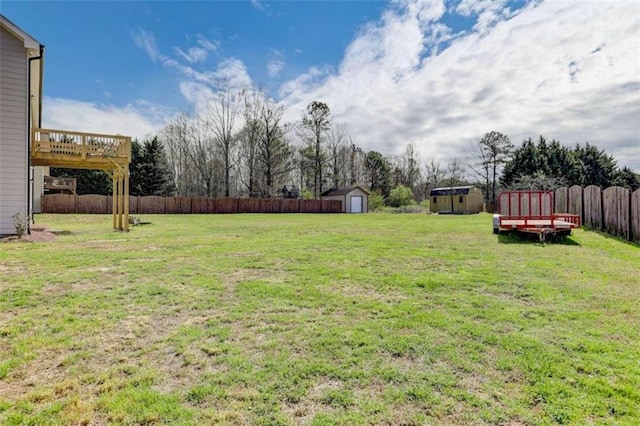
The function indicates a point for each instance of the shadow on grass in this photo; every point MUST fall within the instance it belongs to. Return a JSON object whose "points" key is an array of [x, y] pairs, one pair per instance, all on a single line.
{"points": [[514, 237], [61, 232], [613, 237]]}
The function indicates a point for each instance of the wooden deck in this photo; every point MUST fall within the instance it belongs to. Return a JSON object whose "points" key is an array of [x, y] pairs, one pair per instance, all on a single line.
{"points": [[76, 150], [94, 151]]}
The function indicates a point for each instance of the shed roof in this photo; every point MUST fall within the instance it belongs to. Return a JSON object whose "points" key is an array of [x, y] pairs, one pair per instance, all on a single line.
{"points": [[455, 190], [343, 191]]}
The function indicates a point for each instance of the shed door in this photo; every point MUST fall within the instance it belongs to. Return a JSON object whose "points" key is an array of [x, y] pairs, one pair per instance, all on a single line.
{"points": [[356, 204]]}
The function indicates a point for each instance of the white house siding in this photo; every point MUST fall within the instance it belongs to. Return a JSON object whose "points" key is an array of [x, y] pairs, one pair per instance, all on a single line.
{"points": [[13, 129]]}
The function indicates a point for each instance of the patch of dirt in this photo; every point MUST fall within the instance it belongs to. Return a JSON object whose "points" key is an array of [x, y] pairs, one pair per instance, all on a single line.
{"points": [[8, 269], [310, 404], [38, 234]]}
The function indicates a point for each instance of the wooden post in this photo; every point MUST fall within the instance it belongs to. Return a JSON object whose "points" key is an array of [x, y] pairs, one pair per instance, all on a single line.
{"points": [[126, 198], [114, 207], [629, 215], [120, 200]]}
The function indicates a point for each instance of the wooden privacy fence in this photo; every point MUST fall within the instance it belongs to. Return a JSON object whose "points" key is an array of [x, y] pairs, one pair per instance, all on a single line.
{"points": [[102, 204], [614, 210]]}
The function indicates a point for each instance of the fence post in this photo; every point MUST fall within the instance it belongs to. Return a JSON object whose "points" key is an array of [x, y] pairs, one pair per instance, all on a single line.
{"points": [[629, 218], [603, 226], [582, 211]]}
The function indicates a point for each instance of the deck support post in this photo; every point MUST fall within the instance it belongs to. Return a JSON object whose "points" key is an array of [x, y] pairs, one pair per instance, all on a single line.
{"points": [[120, 200], [126, 198], [114, 207]]}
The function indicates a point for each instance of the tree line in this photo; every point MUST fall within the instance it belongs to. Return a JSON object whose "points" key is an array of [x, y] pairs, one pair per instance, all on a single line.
{"points": [[240, 146]]}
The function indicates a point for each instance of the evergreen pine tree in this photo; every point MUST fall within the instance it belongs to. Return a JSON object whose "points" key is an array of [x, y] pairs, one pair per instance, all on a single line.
{"points": [[155, 174]]}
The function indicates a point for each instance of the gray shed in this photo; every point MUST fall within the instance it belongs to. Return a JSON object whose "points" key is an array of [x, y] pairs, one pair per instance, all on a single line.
{"points": [[355, 199]]}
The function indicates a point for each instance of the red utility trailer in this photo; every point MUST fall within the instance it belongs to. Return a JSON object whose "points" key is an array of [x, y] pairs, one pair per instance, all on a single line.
{"points": [[532, 212]]}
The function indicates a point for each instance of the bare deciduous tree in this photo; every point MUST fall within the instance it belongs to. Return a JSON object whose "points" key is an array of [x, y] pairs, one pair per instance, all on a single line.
{"points": [[434, 174], [221, 116], [314, 126], [253, 103], [274, 152], [336, 143], [454, 176]]}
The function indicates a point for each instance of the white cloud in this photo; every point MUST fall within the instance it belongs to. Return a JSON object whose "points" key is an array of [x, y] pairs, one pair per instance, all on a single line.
{"points": [[297, 90], [193, 54], [198, 84], [208, 45], [257, 4], [230, 72], [140, 120], [274, 67], [147, 42], [487, 12], [197, 54], [567, 70]]}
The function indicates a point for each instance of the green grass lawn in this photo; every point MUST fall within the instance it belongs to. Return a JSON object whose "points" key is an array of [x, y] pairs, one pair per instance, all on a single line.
{"points": [[317, 319]]}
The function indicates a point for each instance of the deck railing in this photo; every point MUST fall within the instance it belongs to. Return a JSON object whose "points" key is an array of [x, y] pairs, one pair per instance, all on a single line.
{"points": [[79, 144]]}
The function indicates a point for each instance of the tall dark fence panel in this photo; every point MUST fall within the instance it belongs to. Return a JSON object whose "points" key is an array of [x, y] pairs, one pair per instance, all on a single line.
{"points": [[102, 204], [269, 205], [561, 197], [615, 211], [290, 206], [635, 215], [592, 200], [178, 205], [575, 201], [152, 205], [91, 204]]}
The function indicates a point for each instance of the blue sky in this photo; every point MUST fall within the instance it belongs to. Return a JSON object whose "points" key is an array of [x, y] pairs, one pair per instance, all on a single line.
{"points": [[92, 54], [435, 73]]}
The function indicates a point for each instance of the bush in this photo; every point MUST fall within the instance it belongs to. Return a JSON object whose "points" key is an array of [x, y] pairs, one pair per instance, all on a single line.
{"points": [[401, 196], [306, 194], [20, 223], [376, 201], [411, 209]]}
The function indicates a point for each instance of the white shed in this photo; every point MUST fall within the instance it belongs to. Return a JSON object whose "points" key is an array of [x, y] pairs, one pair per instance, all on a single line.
{"points": [[355, 199], [21, 61]]}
